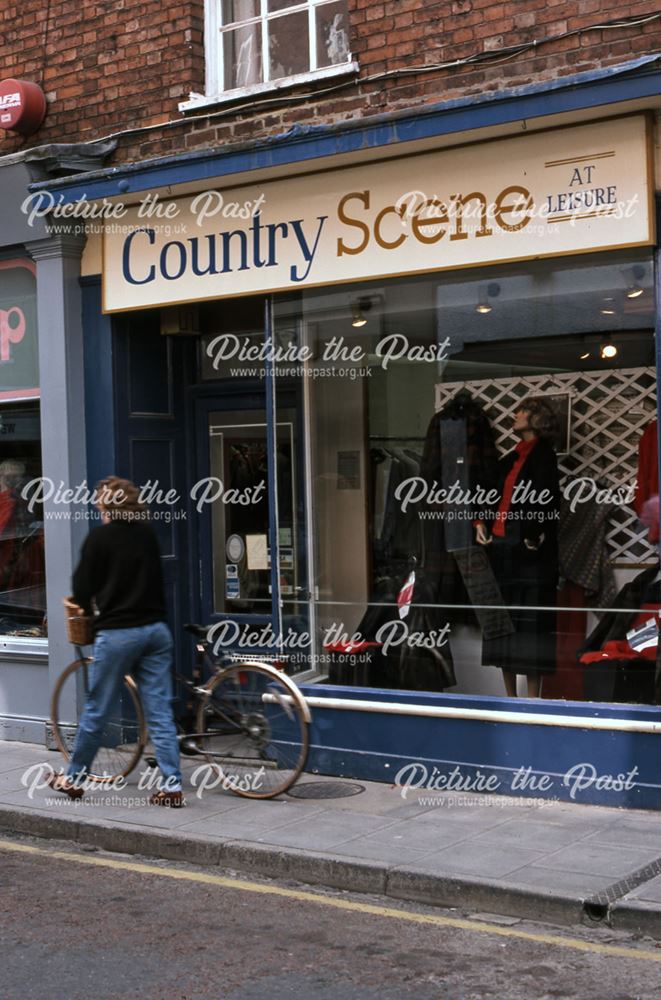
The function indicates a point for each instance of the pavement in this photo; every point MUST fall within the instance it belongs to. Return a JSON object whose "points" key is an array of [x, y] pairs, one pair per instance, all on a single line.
{"points": [[553, 861]]}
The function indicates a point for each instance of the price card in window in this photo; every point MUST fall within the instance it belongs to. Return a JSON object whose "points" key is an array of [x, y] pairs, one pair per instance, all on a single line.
{"points": [[257, 551]]}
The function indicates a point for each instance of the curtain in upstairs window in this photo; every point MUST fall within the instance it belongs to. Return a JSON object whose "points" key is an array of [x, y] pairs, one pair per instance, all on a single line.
{"points": [[242, 46]]}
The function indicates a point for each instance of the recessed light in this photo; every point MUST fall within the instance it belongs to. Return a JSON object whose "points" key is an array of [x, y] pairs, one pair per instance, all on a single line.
{"points": [[607, 351], [634, 292], [584, 357], [483, 308], [607, 312]]}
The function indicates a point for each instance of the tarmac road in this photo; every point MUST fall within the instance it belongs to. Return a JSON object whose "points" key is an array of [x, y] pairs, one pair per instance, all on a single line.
{"points": [[85, 924]]}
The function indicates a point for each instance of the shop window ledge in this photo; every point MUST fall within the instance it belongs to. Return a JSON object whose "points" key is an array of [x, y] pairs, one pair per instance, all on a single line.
{"points": [[13, 647]]}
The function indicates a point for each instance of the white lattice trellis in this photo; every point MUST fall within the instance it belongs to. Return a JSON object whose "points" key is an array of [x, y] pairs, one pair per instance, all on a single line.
{"points": [[609, 411]]}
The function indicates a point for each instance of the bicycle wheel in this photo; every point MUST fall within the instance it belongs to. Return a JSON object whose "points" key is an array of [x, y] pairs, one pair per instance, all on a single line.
{"points": [[253, 727], [124, 735]]}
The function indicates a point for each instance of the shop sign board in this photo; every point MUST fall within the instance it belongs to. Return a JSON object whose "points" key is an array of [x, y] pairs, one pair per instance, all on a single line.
{"points": [[543, 194], [19, 367]]}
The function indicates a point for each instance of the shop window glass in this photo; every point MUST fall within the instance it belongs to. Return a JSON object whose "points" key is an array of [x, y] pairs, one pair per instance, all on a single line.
{"points": [[238, 444], [289, 45], [22, 576], [332, 39], [484, 470]]}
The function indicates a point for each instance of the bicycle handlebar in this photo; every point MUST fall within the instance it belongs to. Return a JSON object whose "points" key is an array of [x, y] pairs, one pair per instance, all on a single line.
{"points": [[226, 658], [199, 631]]}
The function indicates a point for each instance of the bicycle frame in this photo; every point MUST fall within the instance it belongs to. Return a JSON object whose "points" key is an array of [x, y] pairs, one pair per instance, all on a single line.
{"points": [[215, 666], [237, 702]]}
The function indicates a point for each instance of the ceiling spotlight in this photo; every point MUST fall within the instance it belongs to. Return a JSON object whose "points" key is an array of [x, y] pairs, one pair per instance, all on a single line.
{"points": [[493, 291], [634, 292], [357, 317], [358, 310], [607, 351]]}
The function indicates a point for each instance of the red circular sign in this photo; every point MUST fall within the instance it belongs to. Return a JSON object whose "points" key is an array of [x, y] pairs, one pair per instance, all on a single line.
{"points": [[22, 106]]}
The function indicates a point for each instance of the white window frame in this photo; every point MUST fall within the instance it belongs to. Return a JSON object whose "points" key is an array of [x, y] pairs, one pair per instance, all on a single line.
{"points": [[213, 50]]}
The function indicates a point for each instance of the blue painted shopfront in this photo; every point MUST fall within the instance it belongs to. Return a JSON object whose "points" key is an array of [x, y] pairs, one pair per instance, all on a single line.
{"points": [[145, 427]]}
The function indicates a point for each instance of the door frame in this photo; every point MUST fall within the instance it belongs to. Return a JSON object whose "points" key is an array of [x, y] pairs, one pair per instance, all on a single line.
{"points": [[232, 394], [218, 397]]}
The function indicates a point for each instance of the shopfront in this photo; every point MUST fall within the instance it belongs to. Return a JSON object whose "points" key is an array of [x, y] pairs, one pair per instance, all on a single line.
{"points": [[397, 426], [23, 617]]}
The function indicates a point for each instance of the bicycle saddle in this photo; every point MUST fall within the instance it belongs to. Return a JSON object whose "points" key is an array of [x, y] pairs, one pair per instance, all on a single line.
{"points": [[200, 631]]}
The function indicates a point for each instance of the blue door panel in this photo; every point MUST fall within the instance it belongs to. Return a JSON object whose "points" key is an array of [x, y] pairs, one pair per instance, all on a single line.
{"points": [[151, 376]]}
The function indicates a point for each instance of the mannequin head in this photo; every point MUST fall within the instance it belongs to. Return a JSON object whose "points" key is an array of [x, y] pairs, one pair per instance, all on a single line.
{"points": [[535, 417], [11, 474]]}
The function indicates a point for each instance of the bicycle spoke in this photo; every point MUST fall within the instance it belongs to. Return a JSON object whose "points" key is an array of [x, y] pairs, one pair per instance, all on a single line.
{"points": [[123, 735], [255, 731]]}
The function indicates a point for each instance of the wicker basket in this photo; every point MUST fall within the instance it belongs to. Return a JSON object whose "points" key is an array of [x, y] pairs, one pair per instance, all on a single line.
{"points": [[79, 626]]}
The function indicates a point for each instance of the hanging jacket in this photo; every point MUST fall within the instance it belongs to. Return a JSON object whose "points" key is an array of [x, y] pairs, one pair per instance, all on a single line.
{"points": [[459, 447]]}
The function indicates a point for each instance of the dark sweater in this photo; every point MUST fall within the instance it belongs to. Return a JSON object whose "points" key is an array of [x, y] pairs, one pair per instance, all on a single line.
{"points": [[120, 569]]}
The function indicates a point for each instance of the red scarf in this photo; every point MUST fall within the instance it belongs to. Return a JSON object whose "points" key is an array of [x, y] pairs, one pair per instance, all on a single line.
{"points": [[522, 450]]}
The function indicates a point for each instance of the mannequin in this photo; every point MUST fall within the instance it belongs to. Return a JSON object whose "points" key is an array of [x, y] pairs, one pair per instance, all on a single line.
{"points": [[521, 536], [459, 447]]}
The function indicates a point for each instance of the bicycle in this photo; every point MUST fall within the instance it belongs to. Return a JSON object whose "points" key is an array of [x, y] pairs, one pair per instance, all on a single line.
{"points": [[251, 722]]}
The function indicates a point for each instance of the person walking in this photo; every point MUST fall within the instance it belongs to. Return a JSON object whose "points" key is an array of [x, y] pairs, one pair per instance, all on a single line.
{"points": [[120, 573]]}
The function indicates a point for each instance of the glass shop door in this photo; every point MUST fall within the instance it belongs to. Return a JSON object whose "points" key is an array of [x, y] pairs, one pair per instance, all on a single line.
{"points": [[249, 502]]}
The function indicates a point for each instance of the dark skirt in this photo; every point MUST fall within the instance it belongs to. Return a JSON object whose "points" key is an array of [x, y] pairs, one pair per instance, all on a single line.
{"points": [[527, 583]]}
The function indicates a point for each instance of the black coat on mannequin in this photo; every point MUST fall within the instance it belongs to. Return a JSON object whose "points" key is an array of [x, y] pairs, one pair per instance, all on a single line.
{"points": [[525, 563]]}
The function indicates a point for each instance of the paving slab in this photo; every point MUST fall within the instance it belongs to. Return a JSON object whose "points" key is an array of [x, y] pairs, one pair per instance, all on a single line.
{"points": [[598, 859], [558, 882], [471, 858], [502, 855], [323, 830], [535, 834], [236, 822], [638, 834], [387, 855], [10, 781], [421, 838]]}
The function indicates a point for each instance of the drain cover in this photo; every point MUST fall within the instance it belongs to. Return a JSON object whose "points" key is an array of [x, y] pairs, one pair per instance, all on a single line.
{"points": [[325, 790]]}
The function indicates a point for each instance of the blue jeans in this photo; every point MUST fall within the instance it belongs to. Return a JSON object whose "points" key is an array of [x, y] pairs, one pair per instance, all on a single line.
{"points": [[146, 653]]}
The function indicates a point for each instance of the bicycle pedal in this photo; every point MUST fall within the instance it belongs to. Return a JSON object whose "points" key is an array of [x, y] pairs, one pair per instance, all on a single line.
{"points": [[151, 761], [189, 748]]}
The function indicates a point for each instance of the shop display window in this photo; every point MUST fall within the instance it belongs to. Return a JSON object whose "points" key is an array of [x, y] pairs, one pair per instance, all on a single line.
{"points": [[22, 575], [483, 461]]}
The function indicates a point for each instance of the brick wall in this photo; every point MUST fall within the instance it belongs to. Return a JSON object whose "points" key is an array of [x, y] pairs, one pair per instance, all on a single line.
{"points": [[103, 64], [110, 65]]}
